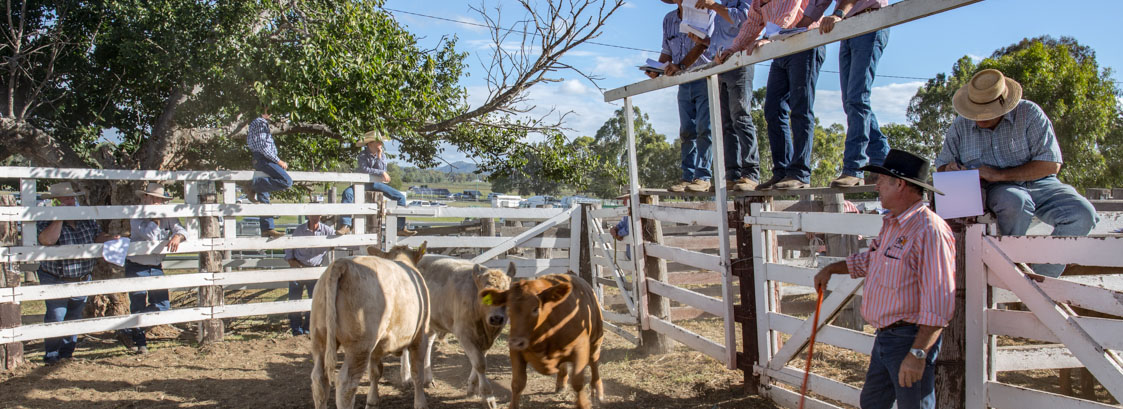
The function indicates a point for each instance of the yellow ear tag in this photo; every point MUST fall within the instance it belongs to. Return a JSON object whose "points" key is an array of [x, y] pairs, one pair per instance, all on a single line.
{"points": [[487, 299]]}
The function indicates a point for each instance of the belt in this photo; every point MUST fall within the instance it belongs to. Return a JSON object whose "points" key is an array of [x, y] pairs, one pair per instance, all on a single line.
{"points": [[896, 325], [66, 279]]}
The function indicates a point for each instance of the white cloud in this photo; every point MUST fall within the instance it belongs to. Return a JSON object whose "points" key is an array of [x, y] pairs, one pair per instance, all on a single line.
{"points": [[574, 87], [471, 24], [628, 5], [890, 103], [612, 67], [975, 58]]}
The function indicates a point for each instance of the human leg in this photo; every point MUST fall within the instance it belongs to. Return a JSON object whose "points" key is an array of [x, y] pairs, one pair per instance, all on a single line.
{"points": [[55, 312], [1012, 206], [865, 144], [687, 132], [803, 75], [392, 194], [704, 141], [1060, 206], [295, 318], [776, 111], [742, 158], [348, 197], [276, 179]]}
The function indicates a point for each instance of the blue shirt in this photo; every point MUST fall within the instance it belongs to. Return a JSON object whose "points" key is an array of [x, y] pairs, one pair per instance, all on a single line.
{"points": [[1023, 135], [677, 44], [260, 140], [724, 31], [368, 163], [310, 257], [83, 232]]}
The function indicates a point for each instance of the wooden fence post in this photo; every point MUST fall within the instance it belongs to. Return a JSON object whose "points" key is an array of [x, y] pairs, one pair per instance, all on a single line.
{"points": [[656, 269], [11, 355], [745, 314], [585, 262], [951, 368], [842, 245], [212, 330]]}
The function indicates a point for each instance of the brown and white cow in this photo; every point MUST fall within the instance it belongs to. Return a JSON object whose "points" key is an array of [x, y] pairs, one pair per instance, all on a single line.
{"points": [[456, 284], [555, 322], [371, 307]]}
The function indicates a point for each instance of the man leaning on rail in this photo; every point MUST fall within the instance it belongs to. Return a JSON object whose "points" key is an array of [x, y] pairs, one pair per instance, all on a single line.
{"points": [[159, 229], [909, 292], [66, 232], [302, 258]]}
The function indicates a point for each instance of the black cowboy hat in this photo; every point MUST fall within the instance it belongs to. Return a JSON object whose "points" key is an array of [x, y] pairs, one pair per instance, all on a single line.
{"points": [[905, 166]]}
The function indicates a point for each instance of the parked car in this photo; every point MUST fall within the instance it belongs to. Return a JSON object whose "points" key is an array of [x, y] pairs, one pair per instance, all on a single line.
{"points": [[501, 200], [472, 195], [420, 203], [539, 201]]}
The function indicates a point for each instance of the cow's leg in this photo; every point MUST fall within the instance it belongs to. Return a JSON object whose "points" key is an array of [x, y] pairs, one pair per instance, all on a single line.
{"points": [[518, 378], [375, 376], [407, 370], [478, 382], [595, 383], [577, 381], [563, 376], [417, 355], [429, 340], [320, 382], [354, 364]]}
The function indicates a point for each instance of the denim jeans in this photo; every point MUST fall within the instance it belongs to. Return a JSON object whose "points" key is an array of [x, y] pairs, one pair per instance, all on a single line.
{"points": [[144, 301], [1016, 203], [882, 388], [737, 129], [389, 192], [694, 130], [857, 65], [791, 94], [59, 310], [276, 179], [298, 321]]}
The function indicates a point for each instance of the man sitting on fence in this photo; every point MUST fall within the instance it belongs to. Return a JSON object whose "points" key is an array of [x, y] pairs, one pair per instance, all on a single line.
{"points": [[372, 161], [265, 160], [301, 258], [68, 232], [149, 265], [1012, 144], [909, 292]]}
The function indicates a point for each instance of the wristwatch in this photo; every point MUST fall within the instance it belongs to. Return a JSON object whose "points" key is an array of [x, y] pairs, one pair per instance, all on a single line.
{"points": [[918, 353], [838, 13]]}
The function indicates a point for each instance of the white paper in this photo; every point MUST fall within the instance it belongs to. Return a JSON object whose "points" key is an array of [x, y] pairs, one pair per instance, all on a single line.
{"points": [[962, 196], [694, 20], [114, 251], [653, 66], [775, 33]]}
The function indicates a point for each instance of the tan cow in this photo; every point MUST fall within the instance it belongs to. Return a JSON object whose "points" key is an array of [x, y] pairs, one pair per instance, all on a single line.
{"points": [[456, 284], [555, 322], [371, 307]]}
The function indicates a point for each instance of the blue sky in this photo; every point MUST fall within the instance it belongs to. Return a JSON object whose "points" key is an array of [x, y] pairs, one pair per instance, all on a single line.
{"points": [[917, 50]]}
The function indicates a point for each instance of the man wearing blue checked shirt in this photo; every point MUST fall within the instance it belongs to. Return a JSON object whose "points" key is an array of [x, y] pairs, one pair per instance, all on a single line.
{"points": [[301, 258], [265, 160]]}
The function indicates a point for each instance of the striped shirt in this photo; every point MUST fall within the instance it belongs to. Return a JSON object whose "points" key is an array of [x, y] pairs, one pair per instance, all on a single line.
{"points": [[371, 164], [909, 270], [724, 31], [260, 140], [83, 232], [148, 230], [312, 257], [817, 7], [677, 44], [1023, 135], [784, 13]]}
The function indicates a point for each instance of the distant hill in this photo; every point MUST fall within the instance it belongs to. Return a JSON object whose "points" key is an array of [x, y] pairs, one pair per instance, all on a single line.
{"points": [[458, 167]]}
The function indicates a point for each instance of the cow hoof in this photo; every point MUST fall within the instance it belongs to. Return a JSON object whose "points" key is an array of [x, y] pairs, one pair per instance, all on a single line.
{"points": [[492, 403]]}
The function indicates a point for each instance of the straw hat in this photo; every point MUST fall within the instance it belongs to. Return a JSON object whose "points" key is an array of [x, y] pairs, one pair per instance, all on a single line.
{"points": [[153, 189], [62, 189], [372, 136], [988, 95]]}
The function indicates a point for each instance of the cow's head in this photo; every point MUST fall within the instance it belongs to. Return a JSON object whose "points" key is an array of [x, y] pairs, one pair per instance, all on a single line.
{"points": [[528, 303], [400, 253], [493, 279]]}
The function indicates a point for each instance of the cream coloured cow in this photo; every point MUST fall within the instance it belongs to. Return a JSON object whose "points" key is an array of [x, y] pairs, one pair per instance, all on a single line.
{"points": [[456, 284], [371, 307]]}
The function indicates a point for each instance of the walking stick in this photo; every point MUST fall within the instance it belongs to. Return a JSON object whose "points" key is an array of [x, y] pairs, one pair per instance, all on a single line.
{"points": [[811, 348]]}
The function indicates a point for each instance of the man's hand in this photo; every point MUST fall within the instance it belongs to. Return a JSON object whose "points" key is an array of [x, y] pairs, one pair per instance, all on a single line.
{"points": [[651, 74], [671, 69], [822, 278], [294, 264], [753, 46], [705, 4], [385, 177], [698, 40], [826, 24], [953, 166], [173, 244], [616, 236], [912, 369], [283, 164], [990, 174], [723, 56]]}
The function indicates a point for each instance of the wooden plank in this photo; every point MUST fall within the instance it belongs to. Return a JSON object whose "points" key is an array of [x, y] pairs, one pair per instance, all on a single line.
{"points": [[694, 299], [1065, 291], [117, 285], [789, 399], [264, 308], [622, 333], [480, 212], [765, 193], [690, 258], [831, 335], [637, 228], [618, 317], [894, 14], [26, 254], [612, 213], [692, 242], [818, 384], [20, 172], [359, 223], [575, 241], [266, 276], [1024, 324], [977, 340], [515, 241], [831, 305], [27, 198], [805, 277], [229, 224], [1033, 357], [678, 215], [868, 225], [1088, 251], [1000, 395], [689, 338], [1099, 361], [483, 242], [761, 285], [86, 326]]}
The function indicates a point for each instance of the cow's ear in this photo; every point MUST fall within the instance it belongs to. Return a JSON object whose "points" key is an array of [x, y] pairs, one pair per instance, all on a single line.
{"points": [[420, 252], [492, 297], [511, 270], [375, 251], [556, 293]]}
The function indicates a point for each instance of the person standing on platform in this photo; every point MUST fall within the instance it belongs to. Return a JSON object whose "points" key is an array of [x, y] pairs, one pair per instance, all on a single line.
{"points": [[265, 160]]}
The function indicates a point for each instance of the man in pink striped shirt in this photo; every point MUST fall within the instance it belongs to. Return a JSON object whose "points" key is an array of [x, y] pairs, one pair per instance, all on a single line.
{"points": [[909, 293]]}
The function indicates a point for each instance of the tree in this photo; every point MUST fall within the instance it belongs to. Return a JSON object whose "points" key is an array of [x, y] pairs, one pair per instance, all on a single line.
{"points": [[1062, 77], [657, 159], [907, 138]]}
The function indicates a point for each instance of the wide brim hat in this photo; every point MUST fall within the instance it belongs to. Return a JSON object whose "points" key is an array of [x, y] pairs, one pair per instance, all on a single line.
{"points": [[153, 189], [372, 136], [905, 166], [62, 189], [988, 95], [669, 1]]}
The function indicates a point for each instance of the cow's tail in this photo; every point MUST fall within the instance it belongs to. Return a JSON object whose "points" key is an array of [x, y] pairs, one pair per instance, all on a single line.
{"points": [[331, 284]]}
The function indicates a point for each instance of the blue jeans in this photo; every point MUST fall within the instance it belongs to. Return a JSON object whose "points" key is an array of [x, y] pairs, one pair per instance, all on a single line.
{"points": [[59, 310], [144, 301], [742, 158], [1016, 203], [791, 93], [857, 65], [277, 179], [298, 321], [389, 192], [881, 389], [694, 130]]}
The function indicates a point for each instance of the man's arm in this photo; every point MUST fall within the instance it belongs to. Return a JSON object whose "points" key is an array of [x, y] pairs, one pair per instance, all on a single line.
{"points": [[826, 24], [813, 12], [912, 368], [824, 275], [1030, 171], [49, 235], [719, 9], [689, 59]]}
